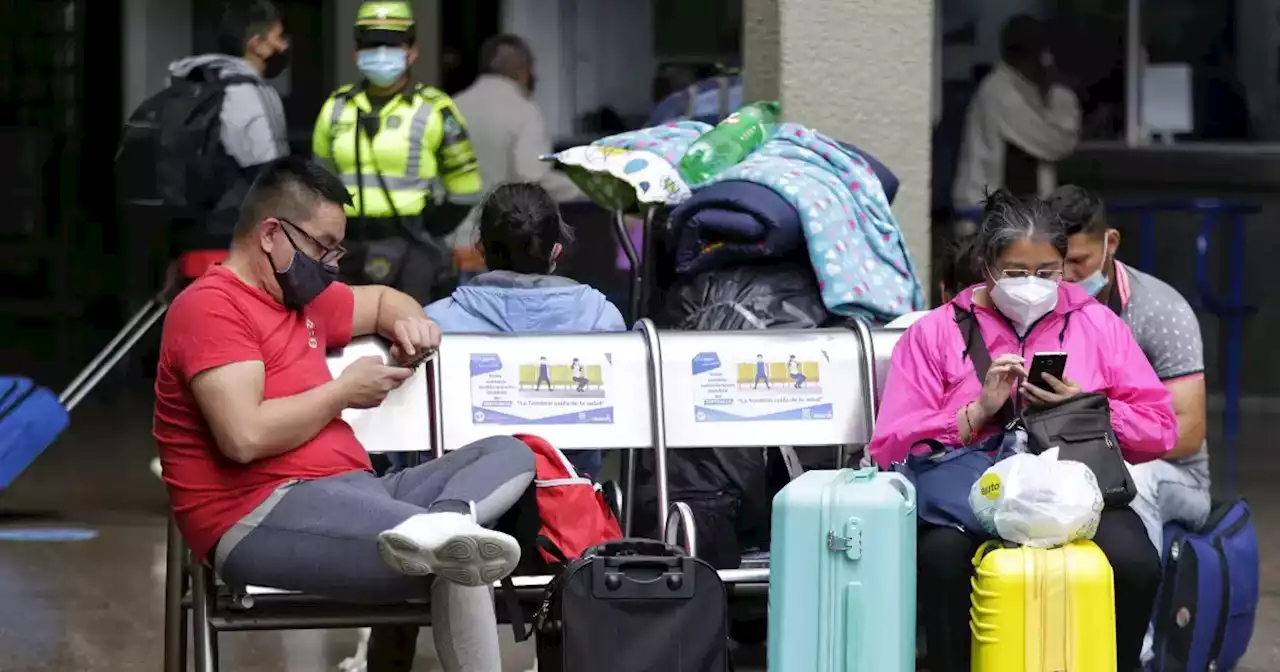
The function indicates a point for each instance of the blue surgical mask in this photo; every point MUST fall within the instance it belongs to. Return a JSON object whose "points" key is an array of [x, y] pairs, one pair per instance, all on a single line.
{"points": [[382, 66], [1097, 281]]}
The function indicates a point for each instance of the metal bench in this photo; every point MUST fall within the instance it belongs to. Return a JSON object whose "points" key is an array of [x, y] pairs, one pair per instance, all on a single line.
{"points": [[637, 380], [421, 414]]}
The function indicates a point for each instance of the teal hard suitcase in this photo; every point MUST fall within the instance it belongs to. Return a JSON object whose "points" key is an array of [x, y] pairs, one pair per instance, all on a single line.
{"points": [[842, 582]]}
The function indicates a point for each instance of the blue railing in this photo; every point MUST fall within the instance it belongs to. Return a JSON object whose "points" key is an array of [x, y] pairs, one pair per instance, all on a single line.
{"points": [[1232, 308]]}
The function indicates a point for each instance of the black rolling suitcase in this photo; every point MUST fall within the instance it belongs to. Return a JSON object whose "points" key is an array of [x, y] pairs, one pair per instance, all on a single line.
{"points": [[634, 605]]}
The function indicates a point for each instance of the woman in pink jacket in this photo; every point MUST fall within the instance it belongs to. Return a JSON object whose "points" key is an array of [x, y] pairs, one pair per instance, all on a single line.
{"points": [[933, 392]]}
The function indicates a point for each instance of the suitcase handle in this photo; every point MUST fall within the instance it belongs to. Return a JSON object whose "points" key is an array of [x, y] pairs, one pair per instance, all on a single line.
{"points": [[656, 562], [636, 546], [672, 579]]}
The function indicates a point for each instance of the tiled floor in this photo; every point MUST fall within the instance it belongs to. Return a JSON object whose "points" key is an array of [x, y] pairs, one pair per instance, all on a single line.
{"points": [[95, 606]]}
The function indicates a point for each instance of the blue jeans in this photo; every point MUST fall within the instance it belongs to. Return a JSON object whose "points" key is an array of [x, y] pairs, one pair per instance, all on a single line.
{"points": [[1169, 492], [587, 462]]}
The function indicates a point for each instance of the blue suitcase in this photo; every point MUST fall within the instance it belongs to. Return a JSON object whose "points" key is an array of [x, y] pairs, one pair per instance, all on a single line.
{"points": [[30, 419], [842, 584], [1209, 596]]}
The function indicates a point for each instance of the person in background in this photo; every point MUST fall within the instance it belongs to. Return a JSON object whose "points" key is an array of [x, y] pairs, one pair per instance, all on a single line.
{"points": [[1176, 487], [404, 154], [709, 100], [933, 392], [1021, 121], [252, 46], [509, 131], [521, 236]]}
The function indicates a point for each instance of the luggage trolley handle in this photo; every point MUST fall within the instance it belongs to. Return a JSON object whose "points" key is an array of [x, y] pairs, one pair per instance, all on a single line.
{"points": [[116, 349], [643, 578]]}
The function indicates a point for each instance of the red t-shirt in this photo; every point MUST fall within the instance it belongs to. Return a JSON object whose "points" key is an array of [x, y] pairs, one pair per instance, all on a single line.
{"points": [[220, 320]]}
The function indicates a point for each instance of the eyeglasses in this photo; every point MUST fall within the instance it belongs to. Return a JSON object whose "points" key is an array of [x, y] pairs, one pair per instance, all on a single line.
{"points": [[1051, 274], [327, 255]]}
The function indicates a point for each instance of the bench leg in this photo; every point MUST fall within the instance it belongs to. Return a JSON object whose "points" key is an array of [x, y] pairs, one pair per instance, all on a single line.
{"points": [[206, 638], [175, 617]]}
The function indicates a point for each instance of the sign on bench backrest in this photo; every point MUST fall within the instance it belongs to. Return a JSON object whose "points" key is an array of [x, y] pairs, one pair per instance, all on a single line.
{"points": [[764, 388], [574, 390], [403, 421]]}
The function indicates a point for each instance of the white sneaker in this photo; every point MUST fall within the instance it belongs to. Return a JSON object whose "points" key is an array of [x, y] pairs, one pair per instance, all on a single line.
{"points": [[450, 545]]}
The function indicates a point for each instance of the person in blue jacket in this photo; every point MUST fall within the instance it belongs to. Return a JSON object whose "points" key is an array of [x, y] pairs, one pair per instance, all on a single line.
{"points": [[521, 237]]}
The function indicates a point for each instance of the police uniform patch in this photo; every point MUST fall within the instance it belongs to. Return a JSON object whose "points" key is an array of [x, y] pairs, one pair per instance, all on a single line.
{"points": [[393, 122], [377, 268], [454, 132]]}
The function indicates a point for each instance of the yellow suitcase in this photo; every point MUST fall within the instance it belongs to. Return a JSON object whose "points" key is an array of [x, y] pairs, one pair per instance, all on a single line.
{"points": [[1042, 610]]}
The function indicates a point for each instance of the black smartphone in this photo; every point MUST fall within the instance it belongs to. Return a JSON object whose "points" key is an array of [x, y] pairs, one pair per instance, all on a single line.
{"points": [[417, 360], [1052, 363]]}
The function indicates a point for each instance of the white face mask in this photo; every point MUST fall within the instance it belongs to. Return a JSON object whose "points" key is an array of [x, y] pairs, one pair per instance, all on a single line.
{"points": [[1024, 300]]}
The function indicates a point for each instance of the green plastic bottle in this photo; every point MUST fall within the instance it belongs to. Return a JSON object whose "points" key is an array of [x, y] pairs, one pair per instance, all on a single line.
{"points": [[730, 141]]}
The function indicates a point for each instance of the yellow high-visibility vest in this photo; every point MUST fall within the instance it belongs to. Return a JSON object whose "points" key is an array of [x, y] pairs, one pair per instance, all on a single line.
{"points": [[421, 148]]}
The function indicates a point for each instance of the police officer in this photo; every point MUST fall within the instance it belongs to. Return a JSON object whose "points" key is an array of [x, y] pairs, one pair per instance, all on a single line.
{"points": [[403, 152]]}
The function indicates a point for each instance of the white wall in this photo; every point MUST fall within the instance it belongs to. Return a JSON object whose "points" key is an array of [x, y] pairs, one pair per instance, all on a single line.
{"points": [[588, 53], [615, 57], [155, 33]]}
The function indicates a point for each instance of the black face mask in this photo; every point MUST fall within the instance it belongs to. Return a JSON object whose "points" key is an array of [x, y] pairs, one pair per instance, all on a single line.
{"points": [[276, 64], [303, 280], [533, 83]]}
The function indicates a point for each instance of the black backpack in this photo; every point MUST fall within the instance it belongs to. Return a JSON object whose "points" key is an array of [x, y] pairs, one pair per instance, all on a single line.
{"points": [[171, 152]]}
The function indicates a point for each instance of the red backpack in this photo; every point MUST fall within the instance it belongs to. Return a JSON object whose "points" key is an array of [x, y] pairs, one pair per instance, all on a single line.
{"points": [[572, 514]]}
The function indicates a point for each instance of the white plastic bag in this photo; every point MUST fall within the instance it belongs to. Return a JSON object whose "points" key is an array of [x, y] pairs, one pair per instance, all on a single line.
{"points": [[1037, 500]]}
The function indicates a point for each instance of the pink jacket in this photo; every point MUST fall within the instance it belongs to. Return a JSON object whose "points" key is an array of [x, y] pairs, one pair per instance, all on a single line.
{"points": [[930, 376]]}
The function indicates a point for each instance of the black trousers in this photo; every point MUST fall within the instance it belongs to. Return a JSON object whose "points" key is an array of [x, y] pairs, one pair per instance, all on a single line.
{"points": [[945, 557]]}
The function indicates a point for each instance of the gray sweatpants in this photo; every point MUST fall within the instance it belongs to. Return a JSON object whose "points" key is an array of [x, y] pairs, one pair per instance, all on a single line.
{"points": [[320, 536]]}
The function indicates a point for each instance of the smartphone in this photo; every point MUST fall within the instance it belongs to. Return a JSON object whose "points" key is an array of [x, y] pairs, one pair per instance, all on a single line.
{"points": [[1052, 363], [417, 360]]}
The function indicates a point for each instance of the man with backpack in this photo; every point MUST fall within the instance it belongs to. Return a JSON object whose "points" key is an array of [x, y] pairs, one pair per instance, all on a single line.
{"points": [[190, 152]]}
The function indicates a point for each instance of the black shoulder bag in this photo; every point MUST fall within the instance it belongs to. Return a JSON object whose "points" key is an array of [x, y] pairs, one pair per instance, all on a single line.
{"points": [[1079, 427]]}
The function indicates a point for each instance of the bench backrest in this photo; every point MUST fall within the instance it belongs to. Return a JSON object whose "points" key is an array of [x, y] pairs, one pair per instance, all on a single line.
{"points": [[510, 383], [736, 388], [403, 422], [481, 385]]}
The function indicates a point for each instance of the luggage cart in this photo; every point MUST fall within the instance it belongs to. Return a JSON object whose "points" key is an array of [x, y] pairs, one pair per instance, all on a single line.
{"points": [[642, 260]]}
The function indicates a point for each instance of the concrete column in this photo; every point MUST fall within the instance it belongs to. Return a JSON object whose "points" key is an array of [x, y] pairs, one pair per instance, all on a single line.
{"points": [[859, 71], [427, 15]]}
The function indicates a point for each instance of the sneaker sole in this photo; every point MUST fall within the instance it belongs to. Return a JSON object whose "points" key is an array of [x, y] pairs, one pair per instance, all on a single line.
{"points": [[468, 559]]}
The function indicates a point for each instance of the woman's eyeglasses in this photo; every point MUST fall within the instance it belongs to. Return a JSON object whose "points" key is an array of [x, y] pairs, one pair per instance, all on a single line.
{"points": [[1052, 274]]}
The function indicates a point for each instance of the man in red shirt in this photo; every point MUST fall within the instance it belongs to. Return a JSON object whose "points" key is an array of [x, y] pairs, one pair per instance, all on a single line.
{"points": [[265, 479]]}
